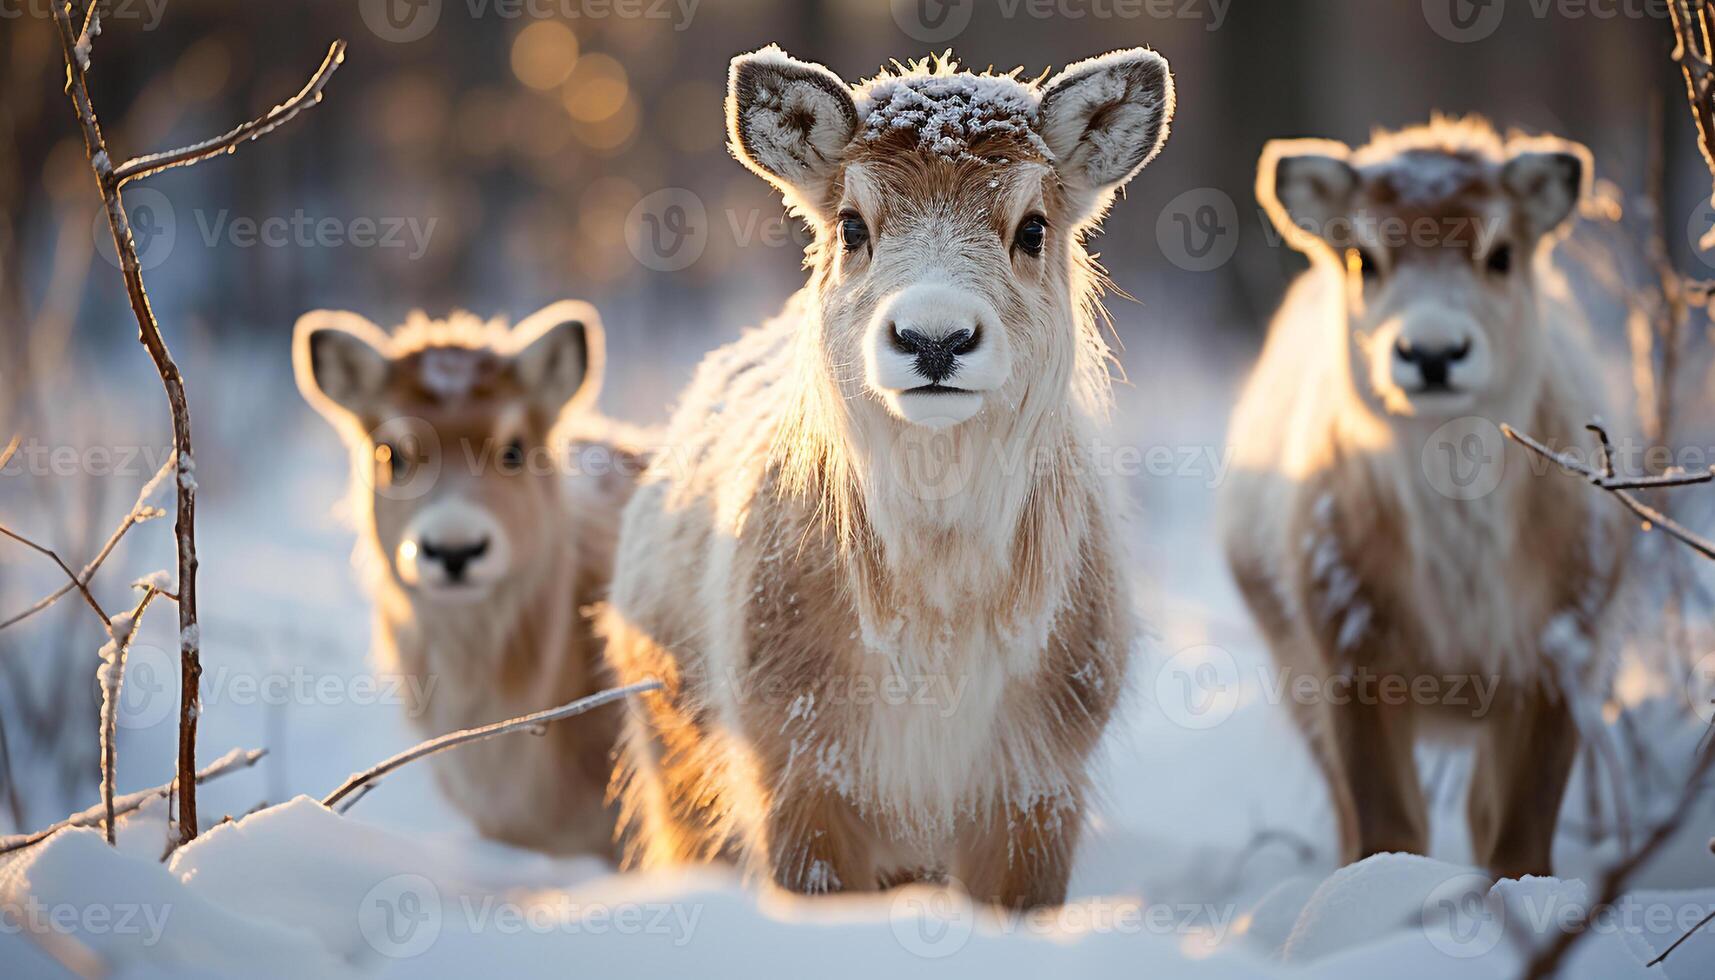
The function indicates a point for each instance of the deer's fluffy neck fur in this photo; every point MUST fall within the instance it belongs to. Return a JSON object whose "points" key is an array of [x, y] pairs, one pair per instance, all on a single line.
{"points": [[968, 534]]}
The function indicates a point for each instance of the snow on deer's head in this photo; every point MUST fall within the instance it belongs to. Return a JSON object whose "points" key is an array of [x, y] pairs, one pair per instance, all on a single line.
{"points": [[948, 209], [1435, 231], [450, 426]]}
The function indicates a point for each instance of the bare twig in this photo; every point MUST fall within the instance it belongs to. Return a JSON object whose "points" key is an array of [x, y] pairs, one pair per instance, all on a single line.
{"points": [[532, 722], [1618, 876], [1692, 51], [140, 512], [311, 94], [112, 674], [1681, 940], [230, 762], [1619, 487], [76, 49]]}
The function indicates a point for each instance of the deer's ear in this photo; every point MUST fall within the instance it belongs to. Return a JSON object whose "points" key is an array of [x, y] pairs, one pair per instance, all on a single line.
{"points": [[341, 361], [1547, 178], [1105, 118], [790, 121], [557, 354], [1306, 186]]}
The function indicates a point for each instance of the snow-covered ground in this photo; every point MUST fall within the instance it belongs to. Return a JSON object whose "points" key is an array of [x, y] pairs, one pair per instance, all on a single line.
{"points": [[1210, 854]]}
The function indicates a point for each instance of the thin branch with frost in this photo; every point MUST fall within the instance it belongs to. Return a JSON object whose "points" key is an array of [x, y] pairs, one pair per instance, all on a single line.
{"points": [[534, 723], [112, 677], [143, 510], [230, 762], [1692, 30], [75, 46], [1620, 487], [1619, 875], [257, 128]]}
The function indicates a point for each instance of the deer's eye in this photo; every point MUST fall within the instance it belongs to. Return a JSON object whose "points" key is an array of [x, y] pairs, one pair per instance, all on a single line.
{"points": [[512, 457], [854, 234], [1363, 262], [1032, 234], [391, 464], [1501, 260]]}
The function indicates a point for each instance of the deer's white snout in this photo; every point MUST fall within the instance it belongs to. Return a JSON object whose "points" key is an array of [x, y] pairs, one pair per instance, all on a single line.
{"points": [[453, 548], [933, 351]]}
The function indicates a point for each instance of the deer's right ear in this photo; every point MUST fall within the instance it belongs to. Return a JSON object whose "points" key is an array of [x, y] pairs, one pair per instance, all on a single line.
{"points": [[340, 360], [790, 121], [1307, 187]]}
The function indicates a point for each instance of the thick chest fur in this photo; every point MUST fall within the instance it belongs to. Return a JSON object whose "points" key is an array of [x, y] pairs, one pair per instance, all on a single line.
{"points": [[1395, 575], [923, 718]]}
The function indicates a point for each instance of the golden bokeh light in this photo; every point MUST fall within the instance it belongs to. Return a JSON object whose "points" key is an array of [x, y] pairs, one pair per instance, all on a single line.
{"points": [[596, 89], [544, 54], [611, 134]]}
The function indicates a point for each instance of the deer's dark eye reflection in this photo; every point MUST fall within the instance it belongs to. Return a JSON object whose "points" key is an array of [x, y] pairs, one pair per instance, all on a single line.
{"points": [[1501, 260], [512, 457], [1032, 234], [854, 234], [1363, 262], [391, 464]]}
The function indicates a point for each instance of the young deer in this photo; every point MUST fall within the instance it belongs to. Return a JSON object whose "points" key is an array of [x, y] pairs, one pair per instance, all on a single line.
{"points": [[1378, 523], [879, 574], [487, 496]]}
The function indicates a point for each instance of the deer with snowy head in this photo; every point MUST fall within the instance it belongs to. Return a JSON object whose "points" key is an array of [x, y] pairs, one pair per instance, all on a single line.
{"points": [[1385, 534], [877, 573], [487, 496]]}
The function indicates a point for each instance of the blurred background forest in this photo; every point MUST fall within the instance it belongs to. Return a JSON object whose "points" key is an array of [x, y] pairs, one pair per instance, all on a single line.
{"points": [[497, 155]]}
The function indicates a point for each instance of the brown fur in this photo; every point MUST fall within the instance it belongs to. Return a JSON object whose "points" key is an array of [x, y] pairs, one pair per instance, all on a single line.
{"points": [[449, 395], [1355, 567], [876, 675]]}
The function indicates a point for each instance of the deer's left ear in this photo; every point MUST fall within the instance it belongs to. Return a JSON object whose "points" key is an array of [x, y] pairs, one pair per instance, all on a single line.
{"points": [[1105, 118], [1547, 178], [790, 121], [557, 354]]}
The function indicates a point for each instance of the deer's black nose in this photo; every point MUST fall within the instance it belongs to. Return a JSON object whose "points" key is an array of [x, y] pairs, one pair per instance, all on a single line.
{"points": [[455, 558], [937, 357], [1434, 364]]}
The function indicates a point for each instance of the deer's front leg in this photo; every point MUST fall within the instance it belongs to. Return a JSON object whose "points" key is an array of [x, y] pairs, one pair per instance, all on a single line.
{"points": [[817, 844], [1021, 857]]}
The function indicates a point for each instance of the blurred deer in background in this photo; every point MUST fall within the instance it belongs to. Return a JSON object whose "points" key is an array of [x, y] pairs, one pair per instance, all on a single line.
{"points": [[1378, 523], [487, 495]]}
